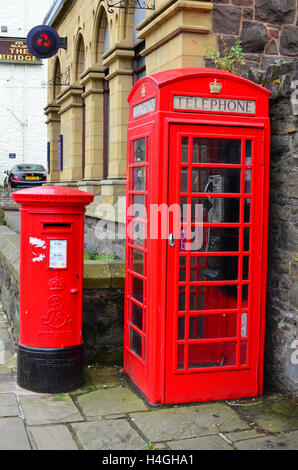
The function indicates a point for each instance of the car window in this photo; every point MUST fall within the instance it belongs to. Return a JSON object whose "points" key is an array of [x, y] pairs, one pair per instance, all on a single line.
{"points": [[28, 168]]}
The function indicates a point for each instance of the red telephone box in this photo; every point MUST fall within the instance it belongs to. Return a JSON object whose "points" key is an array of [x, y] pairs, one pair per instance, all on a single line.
{"points": [[196, 251], [50, 350]]}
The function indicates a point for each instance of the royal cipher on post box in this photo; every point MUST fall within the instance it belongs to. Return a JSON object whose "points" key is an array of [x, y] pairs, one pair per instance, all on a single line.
{"points": [[50, 350], [196, 249]]}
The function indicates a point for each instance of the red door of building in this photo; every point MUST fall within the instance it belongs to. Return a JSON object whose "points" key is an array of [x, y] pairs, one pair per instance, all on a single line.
{"points": [[213, 323]]}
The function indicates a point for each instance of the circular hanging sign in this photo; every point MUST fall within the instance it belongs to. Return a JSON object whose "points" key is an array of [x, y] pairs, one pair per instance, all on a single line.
{"points": [[43, 41]]}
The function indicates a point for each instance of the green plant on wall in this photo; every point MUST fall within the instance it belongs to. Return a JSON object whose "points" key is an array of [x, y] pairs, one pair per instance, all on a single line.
{"points": [[94, 254], [232, 57], [90, 253]]}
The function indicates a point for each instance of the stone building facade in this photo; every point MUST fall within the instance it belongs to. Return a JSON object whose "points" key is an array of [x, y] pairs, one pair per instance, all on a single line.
{"points": [[106, 54], [87, 114], [108, 51]]}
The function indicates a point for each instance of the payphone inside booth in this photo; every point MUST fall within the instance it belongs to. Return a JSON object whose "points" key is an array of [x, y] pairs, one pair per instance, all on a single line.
{"points": [[196, 249]]}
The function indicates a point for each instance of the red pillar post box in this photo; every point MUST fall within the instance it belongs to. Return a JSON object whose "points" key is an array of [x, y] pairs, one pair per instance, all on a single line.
{"points": [[196, 281], [50, 350]]}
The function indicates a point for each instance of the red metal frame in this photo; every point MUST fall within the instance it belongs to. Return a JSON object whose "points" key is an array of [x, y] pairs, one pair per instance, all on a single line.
{"points": [[151, 360], [176, 379]]}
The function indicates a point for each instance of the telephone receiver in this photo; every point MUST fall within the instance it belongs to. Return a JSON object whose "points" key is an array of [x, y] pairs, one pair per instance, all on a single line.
{"points": [[214, 206], [208, 189]]}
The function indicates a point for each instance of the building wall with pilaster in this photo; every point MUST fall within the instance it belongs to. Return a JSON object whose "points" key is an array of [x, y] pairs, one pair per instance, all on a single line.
{"points": [[176, 34]]}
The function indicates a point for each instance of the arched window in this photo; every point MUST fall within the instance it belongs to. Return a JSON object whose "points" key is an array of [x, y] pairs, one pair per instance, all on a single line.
{"points": [[101, 38], [101, 44], [57, 79], [106, 105], [80, 67], [106, 43], [138, 62], [80, 57]]}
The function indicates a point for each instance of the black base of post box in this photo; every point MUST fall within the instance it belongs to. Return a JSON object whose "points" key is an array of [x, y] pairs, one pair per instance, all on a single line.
{"points": [[50, 370]]}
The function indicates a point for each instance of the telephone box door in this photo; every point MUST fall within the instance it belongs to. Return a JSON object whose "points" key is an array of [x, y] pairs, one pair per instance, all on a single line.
{"points": [[214, 326]]}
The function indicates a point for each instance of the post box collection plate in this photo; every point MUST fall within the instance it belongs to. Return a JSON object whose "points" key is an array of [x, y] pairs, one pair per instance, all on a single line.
{"points": [[58, 254]]}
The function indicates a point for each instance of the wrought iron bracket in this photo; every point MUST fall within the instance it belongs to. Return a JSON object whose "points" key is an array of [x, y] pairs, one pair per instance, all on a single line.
{"points": [[134, 4], [63, 79]]}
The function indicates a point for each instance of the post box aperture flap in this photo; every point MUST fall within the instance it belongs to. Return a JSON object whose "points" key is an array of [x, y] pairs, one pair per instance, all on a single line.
{"points": [[50, 350], [196, 249]]}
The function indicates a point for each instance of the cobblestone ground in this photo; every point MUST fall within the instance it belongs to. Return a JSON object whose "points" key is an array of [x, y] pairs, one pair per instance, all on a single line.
{"points": [[106, 414]]}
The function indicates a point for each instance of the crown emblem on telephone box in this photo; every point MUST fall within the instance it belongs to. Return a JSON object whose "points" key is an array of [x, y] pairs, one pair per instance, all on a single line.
{"points": [[215, 87]]}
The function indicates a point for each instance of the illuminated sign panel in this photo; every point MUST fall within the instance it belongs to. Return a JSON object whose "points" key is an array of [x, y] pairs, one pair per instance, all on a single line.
{"points": [[143, 108], [15, 51]]}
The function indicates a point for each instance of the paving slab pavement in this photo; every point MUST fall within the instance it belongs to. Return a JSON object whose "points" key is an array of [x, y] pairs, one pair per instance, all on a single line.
{"points": [[107, 415], [13, 219]]}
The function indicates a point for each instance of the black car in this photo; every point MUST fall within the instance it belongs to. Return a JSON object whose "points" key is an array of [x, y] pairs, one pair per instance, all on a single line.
{"points": [[25, 176]]}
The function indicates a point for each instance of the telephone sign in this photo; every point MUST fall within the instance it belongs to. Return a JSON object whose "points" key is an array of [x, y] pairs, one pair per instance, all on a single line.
{"points": [[43, 41]]}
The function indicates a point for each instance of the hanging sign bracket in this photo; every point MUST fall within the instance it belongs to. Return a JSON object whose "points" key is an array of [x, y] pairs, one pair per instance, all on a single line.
{"points": [[134, 4]]}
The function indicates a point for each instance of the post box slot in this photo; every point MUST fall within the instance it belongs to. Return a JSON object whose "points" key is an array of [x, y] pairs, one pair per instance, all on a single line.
{"points": [[57, 227]]}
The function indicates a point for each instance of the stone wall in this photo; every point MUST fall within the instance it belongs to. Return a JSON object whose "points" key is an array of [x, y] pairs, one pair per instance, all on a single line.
{"points": [[103, 326], [103, 307], [9, 277], [267, 28], [105, 235], [6, 201], [281, 351]]}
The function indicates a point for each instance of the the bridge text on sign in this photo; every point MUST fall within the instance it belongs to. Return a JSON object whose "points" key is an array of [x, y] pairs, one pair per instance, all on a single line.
{"points": [[15, 51]]}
